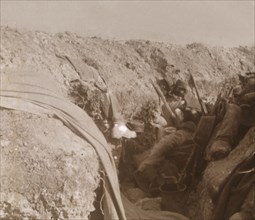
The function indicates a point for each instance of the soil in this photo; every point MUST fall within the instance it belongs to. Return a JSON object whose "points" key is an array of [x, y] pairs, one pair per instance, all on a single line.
{"points": [[46, 170]]}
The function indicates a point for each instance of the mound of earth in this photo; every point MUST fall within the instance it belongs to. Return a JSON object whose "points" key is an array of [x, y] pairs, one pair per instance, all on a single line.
{"points": [[46, 170], [126, 67]]}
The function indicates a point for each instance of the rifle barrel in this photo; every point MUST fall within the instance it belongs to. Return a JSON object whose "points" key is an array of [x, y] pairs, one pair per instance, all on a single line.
{"points": [[203, 107], [161, 95]]}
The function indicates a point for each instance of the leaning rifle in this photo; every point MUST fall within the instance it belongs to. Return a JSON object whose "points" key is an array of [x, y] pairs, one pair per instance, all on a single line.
{"points": [[193, 84], [161, 95]]}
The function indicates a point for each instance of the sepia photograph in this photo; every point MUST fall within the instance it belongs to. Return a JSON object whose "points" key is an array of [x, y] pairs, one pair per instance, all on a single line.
{"points": [[127, 110]]}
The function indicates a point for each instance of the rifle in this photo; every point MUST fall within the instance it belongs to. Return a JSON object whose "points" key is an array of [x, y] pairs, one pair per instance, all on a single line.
{"points": [[161, 95], [193, 85]]}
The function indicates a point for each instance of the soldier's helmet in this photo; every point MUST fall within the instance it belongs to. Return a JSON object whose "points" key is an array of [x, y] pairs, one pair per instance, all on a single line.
{"points": [[180, 88]]}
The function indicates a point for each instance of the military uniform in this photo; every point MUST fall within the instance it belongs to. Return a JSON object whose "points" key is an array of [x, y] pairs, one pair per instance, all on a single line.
{"points": [[169, 143], [167, 157]]}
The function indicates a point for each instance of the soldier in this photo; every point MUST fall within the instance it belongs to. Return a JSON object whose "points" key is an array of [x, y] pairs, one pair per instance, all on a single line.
{"points": [[168, 142], [172, 140], [166, 147], [175, 98]]}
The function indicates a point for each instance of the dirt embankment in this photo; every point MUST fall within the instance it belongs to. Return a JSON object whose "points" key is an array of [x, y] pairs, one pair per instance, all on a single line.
{"points": [[47, 171], [45, 165], [125, 66]]}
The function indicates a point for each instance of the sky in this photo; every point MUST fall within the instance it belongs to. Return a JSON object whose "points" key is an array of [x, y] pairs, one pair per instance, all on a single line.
{"points": [[224, 23]]}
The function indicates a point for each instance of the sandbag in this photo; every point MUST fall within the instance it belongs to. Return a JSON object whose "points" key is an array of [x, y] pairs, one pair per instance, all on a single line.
{"points": [[217, 172]]}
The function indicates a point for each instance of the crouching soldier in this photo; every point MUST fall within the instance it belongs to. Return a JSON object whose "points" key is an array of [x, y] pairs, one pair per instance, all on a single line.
{"points": [[240, 111], [174, 97], [162, 168]]}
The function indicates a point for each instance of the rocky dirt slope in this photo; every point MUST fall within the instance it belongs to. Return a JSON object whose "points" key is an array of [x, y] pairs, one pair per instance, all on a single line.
{"points": [[125, 66], [47, 171], [53, 174]]}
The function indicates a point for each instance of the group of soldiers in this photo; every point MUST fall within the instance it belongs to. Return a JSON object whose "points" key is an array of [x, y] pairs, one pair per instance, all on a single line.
{"points": [[165, 164], [235, 110]]}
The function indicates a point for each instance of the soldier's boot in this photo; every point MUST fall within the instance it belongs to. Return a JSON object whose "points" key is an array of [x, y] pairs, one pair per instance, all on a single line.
{"points": [[226, 135]]}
